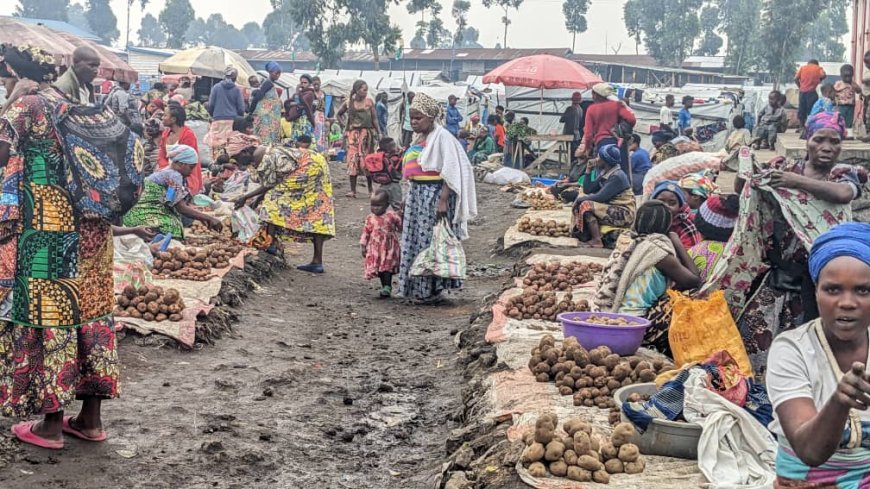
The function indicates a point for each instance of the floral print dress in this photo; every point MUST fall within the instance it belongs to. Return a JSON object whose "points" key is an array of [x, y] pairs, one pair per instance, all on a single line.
{"points": [[380, 236]]}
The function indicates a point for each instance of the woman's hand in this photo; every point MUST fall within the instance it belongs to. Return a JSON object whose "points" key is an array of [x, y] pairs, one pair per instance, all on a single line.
{"points": [[675, 239], [215, 224], [147, 234], [240, 202], [853, 391], [783, 179], [441, 211]]}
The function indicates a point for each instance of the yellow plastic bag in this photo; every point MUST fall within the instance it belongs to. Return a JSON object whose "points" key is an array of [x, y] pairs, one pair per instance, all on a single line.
{"points": [[701, 327]]}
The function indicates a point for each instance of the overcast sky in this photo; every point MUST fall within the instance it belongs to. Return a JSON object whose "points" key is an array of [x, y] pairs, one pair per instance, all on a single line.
{"points": [[539, 23]]}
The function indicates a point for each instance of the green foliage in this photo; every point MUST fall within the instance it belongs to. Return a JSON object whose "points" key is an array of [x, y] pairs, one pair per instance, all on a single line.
{"points": [[711, 42], [575, 18], [43, 9], [370, 24], [470, 38], [196, 33], [175, 18], [281, 30], [254, 34], [460, 15], [76, 16], [668, 28], [505, 5], [150, 33], [631, 13], [102, 20], [824, 41], [740, 22]]}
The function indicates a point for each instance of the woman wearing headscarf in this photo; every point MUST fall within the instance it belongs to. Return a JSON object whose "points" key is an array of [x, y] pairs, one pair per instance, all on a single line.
{"points": [[360, 134], [682, 218], [166, 197], [305, 99], [57, 341], [296, 193], [783, 209], [321, 130], [606, 201], [483, 146], [645, 262], [266, 107], [176, 132], [817, 378], [664, 148], [697, 188], [715, 222], [442, 187]]}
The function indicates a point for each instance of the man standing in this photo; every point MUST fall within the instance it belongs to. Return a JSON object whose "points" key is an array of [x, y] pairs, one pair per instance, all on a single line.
{"points": [[124, 106], [684, 119], [407, 131], [453, 117], [666, 115], [224, 104], [382, 112], [808, 78], [573, 120], [75, 83]]}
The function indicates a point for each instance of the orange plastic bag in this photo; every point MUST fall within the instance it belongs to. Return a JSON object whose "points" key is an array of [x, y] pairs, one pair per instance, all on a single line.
{"points": [[702, 327]]}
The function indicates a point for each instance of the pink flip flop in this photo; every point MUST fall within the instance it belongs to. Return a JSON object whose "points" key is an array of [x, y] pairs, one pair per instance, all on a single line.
{"points": [[68, 429], [24, 432]]}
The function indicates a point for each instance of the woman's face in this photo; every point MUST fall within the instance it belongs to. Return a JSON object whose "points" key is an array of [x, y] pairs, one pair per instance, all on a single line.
{"points": [[843, 297], [693, 200], [316, 84], [420, 123], [168, 120], [304, 83], [185, 170], [274, 75], [671, 201], [363, 92], [823, 148]]}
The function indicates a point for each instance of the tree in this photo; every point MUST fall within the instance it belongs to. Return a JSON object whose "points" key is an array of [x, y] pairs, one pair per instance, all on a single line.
{"points": [[460, 15], [102, 20], [505, 5], [76, 16], [323, 27], [711, 42], [418, 42], [370, 24], [196, 33], [575, 18], [668, 28], [175, 18], [150, 33], [740, 21], [431, 33], [254, 33], [43, 9], [470, 38], [281, 29], [631, 14], [824, 39]]}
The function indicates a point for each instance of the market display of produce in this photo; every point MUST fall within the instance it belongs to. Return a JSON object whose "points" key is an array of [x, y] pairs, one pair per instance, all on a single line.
{"points": [[539, 227], [535, 303], [200, 235], [193, 263], [562, 276], [541, 200], [573, 451], [590, 376], [150, 303]]}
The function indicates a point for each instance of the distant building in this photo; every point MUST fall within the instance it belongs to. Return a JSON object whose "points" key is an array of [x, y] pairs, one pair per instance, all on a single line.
{"points": [[63, 27], [145, 60]]}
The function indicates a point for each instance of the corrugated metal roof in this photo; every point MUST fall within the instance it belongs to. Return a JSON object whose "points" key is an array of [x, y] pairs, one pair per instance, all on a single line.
{"points": [[472, 54], [618, 59], [268, 55], [61, 26]]}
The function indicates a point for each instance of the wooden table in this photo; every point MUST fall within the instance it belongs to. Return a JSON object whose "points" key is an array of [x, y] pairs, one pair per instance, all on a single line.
{"points": [[562, 141]]}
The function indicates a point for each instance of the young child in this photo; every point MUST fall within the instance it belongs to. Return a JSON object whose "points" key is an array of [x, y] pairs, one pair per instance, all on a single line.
{"points": [[825, 102], [392, 154], [684, 118], [379, 242], [335, 135], [739, 137], [290, 110], [845, 90]]}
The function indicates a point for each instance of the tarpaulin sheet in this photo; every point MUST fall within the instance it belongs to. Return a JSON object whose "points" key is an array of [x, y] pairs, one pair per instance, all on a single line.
{"points": [[513, 236]]}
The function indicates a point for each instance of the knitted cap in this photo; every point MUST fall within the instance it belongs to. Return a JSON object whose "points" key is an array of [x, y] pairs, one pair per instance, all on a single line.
{"points": [[717, 217]]}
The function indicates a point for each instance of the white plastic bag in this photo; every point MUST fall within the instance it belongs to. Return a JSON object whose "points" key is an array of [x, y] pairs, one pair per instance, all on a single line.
{"points": [[505, 176], [246, 223], [131, 249]]}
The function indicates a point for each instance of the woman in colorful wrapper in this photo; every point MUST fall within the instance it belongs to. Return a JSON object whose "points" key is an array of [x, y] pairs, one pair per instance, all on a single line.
{"points": [[682, 222], [817, 378], [266, 107], [321, 128], [165, 197], [442, 187], [361, 133], [696, 188], [715, 221], [296, 194], [783, 209], [608, 200], [57, 341]]}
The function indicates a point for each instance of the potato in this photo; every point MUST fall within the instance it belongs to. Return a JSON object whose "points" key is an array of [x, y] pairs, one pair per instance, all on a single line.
{"points": [[175, 317], [163, 308], [143, 291], [579, 475], [559, 468], [589, 463], [601, 477], [614, 466], [161, 317], [542, 368], [150, 297], [554, 451], [542, 377], [537, 469], [148, 316], [642, 365], [568, 380], [153, 308], [611, 361], [622, 434], [533, 452], [597, 372], [565, 390], [582, 443], [123, 301], [135, 313], [570, 457], [581, 383], [595, 357], [612, 384], [544, 434], [573, 425], [635, 467], [142, 307], [129, 292], [135, 301], [646, 375], [595, 444], [629, 452]]}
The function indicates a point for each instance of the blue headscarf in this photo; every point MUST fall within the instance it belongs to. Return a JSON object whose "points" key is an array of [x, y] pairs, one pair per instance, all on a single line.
{"points": [[669, 186], [610, 154], [848, 239], [661, 137], [272, 67], [182, 153]]}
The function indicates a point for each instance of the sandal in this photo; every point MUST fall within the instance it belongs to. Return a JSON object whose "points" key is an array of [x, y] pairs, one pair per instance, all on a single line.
{"points": [[350, 195], [386, 292], [24, 432], [311, 268], [69, 429]]}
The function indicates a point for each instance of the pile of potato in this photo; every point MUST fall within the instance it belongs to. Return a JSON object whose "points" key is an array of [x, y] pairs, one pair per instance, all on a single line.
{"points": [[615, 415], [543, 304], [192, 263], [573, 451], [541, 200], [150, 303], [590, 376], [607, 321], [537, 227], [561, 277]]}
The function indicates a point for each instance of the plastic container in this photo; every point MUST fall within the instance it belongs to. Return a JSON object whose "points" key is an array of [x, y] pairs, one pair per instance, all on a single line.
{"points": [[339, 156], [544, 181], [662, 437], [623, 340]]}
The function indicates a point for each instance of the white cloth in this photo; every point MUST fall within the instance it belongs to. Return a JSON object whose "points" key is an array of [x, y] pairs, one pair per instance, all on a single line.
{"points": [[735, 451], [666, 116], [443, 153]]}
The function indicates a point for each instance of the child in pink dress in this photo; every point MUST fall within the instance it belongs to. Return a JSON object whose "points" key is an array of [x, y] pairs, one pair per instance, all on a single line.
{"points": [[380, 242]]}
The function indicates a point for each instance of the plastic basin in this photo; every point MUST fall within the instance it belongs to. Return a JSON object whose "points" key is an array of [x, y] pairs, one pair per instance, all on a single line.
{"points": [[622, 340], [662, 437], [544, 181]]}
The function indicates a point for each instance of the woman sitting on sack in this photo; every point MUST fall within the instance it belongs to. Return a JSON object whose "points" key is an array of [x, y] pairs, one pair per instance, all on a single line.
{"points": [[606, 201], [646, 261]]}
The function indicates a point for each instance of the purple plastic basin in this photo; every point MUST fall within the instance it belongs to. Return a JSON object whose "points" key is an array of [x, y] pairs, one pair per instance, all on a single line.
{"points": [[622, 340]]}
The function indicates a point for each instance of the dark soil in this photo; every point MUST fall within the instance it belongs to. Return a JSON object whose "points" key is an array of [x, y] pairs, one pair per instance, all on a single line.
{"points": [[320, 384]]}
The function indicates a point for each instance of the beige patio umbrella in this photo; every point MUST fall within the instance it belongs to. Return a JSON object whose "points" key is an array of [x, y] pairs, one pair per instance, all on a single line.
{"points": [[207, 61]]}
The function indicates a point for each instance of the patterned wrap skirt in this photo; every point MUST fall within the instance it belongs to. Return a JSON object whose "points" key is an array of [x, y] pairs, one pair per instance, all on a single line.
{"points": [[417, 231]]}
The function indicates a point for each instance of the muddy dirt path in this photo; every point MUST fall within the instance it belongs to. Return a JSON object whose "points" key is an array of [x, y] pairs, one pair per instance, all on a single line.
{"points": [[323, 385]]}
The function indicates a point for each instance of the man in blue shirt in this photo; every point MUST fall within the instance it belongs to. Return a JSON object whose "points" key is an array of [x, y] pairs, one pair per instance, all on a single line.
{"points": [[382, 111], [453, 117], [684, 121], [640, 163]]}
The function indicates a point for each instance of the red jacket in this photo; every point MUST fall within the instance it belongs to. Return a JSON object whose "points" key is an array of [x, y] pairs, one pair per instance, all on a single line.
{"points": [[601, 118], [194, 181]]}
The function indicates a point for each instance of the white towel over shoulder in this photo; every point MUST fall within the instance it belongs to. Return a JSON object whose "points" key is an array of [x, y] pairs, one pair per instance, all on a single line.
{"points": [[444, 154]]}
